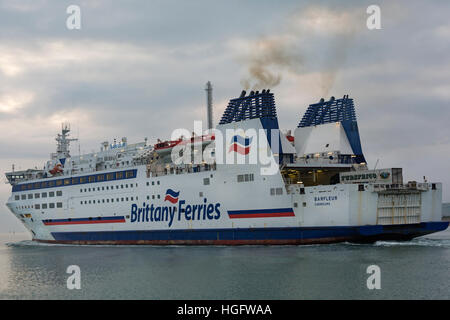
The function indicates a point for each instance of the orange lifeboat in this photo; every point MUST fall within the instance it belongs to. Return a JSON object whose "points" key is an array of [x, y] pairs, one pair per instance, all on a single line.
{"points": [[57, 169]]}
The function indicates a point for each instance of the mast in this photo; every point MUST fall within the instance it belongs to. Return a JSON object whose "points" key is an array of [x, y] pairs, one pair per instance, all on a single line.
{"points": [[63, 142], [209, 104]]}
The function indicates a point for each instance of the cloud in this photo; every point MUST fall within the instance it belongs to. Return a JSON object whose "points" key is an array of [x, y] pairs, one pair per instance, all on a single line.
{"points": [[12, 102]]}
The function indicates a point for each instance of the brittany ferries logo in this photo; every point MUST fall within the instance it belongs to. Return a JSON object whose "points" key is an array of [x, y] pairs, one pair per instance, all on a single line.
{"points": [[240, 144], [182, 211], [171, 196]]}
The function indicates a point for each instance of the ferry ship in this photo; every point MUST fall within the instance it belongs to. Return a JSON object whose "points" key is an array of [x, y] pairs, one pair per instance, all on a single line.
{"points": [[321, 190]]}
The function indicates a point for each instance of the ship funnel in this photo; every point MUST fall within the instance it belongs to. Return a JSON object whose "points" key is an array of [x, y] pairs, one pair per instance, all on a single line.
{"points": [[332, 111]]}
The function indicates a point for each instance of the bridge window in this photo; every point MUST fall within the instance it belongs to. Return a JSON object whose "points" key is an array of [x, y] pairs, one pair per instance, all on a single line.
{"points": [[17, 198], [51, 194], [51, 205], [129, 174], [44, 206], [59, 193], [37, 206], [30, 196], [44, 194], [59, 205]]}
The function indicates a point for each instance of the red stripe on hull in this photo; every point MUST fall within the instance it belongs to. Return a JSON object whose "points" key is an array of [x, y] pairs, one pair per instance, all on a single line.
{"points": [[262, 215], [83, 222], [205, 242]]}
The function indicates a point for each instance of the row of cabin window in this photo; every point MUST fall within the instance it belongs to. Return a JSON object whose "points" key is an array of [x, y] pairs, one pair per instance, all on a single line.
{"points": [[43, 206], [50, 205], [79, 180], [153, 183], [39, 195], [108, 200], [107, 188], [245, 177], [113, 166]]}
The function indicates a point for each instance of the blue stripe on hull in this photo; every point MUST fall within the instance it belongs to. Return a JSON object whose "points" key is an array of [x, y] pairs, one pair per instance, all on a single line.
{"points": [[254, 236]]}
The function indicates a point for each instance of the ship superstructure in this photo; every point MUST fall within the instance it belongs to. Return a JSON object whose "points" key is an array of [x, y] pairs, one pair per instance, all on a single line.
{"points": [[321, 191]]}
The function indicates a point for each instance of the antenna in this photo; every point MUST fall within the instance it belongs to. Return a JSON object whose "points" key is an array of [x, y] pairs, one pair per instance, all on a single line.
{"points": [[78, 136], [376, 164], [209, 104]]}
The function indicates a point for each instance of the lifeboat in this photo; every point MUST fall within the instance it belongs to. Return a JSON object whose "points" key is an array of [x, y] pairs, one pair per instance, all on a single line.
{"points": [[164, 147], [57, 169]]}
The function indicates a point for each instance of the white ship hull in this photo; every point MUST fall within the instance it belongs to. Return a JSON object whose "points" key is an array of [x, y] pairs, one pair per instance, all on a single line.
{"points": [[239, 213]]}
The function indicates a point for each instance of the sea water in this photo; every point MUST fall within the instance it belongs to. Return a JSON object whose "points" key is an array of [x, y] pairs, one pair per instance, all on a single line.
{"points": [[417, 269]]}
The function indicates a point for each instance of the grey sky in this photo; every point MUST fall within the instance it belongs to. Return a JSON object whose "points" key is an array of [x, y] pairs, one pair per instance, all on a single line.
{"points": [[137, 69]]}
